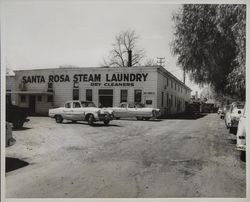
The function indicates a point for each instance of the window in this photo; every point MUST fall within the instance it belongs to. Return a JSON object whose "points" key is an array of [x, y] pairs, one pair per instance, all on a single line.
{"points": [[149, 102], [162, 98], [171, 84], [50, 98], [67, 105], [167, 100], [167, 81], [171, 101], [175, 86], [124, 105], [76, 105], [88, 94], [39, 98], [50, 87], [76, 94], [124, 95], [138, 95], [23, 98]]}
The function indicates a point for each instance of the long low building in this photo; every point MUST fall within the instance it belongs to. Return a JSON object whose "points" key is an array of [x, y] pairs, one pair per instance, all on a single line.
{"points": [[42, 89]]}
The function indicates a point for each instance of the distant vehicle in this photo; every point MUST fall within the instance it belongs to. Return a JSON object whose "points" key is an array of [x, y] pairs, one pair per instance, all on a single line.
{"points": [[224, 110], [193, 108], [233, 115], [135, 110], [241, 136], [219, 110], [16, 115], [9, 141], [81, 111]]}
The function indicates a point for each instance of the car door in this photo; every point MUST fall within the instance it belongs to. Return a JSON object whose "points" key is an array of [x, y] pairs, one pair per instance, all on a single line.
{"points": [[67, 111], [122, 111], [77, 111]]}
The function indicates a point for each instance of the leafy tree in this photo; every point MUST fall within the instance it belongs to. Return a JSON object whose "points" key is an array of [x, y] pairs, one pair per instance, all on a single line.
{"points": [[209, 47], [125, 41]]}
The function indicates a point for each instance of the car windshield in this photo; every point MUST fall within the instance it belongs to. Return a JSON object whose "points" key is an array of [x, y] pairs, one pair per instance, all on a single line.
{"points": [[240, 106], [88, 104], [139, 105]]}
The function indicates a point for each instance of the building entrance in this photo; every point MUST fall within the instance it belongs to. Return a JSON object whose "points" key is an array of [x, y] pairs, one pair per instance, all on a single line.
{"points": [[106, 98], [32, 104]]}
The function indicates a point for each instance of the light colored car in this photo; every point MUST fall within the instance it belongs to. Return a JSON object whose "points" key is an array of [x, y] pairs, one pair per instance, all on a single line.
{"points": [[138, 110], [241, 135], [9, 138], [219, 110], [233, 115], [224, 110], [81, 111]]}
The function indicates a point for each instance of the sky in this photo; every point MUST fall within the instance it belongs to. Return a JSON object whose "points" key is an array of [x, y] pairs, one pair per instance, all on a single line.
{"points": [[76, 33]]}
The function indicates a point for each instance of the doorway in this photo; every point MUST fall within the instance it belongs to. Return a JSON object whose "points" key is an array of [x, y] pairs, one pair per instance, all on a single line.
{"points": [[32, 104], [106, 98]]}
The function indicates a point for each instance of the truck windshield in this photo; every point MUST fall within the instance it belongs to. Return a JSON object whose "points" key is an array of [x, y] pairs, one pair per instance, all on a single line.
{"points": [[88, 104]]}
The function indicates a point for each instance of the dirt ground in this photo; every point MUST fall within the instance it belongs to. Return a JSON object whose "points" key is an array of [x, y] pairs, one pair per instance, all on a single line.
{"points": [[129, 158]]}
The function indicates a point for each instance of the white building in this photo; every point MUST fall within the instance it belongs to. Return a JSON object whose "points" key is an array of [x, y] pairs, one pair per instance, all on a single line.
{"points": [[42, 89]]}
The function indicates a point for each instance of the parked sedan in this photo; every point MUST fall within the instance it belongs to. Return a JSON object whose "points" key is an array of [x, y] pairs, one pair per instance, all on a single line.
{"points": [[241, 135], [233, 115], [81, 111], [135, 110]]}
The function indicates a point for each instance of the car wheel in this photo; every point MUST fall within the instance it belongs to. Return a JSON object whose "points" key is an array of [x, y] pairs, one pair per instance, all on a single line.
{"points": [[243, 156], [18, 124], [106, 122], [146, 118], [58, 118], [91, 119], [74, 121], [117, 118], [139, 118]]}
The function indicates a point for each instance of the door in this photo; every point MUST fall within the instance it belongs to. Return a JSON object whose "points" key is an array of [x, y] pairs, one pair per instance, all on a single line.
{"points": [[77, 112], [106, 97], [32, 104]]}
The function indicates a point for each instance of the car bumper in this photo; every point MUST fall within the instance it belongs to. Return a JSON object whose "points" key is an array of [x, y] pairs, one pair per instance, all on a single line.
{"points": [[241, 147], [105, 117]]}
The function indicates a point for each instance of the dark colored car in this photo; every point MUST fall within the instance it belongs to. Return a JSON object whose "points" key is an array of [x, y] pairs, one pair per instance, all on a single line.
{"points": [[16, 115]]}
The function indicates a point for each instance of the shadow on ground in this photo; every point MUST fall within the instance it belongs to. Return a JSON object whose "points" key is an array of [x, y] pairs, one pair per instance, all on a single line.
{"points": [[14, 164], [19, 129], [94, 125], [185, 116]]}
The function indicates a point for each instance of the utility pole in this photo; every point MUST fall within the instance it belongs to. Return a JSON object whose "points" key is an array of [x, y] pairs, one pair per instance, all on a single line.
{"points": [[160, 61]]}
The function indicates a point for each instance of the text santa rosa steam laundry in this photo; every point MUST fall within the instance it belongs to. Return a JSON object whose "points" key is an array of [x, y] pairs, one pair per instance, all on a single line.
{"points": [[118, 77]]}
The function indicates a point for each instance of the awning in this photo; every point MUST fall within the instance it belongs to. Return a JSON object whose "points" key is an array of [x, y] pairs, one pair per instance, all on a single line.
{"points": [[30, 92]]}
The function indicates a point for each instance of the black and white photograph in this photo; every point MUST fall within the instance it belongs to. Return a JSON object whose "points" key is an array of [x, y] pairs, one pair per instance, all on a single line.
{"points": [[123, 99]]}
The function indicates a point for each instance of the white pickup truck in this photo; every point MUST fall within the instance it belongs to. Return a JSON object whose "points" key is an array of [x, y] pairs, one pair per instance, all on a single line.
{"points": [[81, 111]]}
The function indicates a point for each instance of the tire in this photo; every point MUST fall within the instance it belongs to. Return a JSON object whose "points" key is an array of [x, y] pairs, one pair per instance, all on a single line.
{"points": [[91, 119], [59, 119], [74, 121], [243, 156], [117, 118], [139, 118], [106, 122], [146, 118], [18, 124]]}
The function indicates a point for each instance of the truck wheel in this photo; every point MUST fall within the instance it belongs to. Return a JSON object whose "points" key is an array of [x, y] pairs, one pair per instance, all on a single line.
{"points": [[58, 118], [91, 119], [18, 124], [106, 122], [243, 156]]}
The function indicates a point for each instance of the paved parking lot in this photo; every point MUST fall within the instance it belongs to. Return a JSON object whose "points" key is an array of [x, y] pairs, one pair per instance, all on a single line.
{"points": [[129, 158]]}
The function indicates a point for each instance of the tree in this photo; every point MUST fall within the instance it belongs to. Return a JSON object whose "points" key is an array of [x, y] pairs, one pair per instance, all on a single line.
{"points": [[209, 47], [125, 41]]}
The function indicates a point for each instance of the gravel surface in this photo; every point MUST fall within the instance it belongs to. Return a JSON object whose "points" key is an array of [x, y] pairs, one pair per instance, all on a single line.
{"points": [[129, 158]]}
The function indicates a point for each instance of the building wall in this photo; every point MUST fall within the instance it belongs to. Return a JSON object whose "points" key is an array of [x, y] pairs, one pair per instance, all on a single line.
{"points": [[154, 86], [172, 93]]}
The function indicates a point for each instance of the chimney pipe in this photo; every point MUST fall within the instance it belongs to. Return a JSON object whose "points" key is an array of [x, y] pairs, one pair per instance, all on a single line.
{"points": [[129, 58]]}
